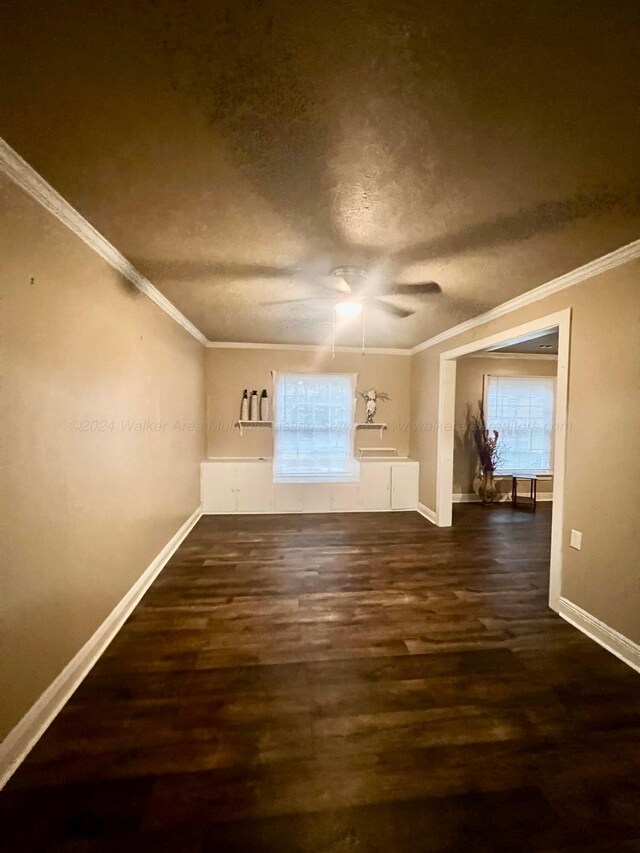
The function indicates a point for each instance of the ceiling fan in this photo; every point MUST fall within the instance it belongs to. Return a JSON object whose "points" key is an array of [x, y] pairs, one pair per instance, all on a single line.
{"points": [[374, 280], [352, 286]]}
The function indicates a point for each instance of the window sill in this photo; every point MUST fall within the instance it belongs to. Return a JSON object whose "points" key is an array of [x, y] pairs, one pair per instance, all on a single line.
{"points": [[523, 472]]}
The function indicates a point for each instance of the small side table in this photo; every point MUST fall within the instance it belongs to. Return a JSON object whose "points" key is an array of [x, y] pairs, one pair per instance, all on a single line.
{"points": [[529, 501]]}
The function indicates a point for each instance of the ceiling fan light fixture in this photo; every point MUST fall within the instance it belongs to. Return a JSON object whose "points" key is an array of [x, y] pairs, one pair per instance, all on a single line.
{"points": [[348, 308]]}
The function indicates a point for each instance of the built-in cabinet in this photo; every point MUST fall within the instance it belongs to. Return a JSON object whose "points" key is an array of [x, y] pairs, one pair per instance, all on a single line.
{"points": [[246, 485]]}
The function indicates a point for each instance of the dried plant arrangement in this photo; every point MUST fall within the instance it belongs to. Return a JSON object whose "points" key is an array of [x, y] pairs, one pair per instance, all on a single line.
{"points": [[488, 448]]}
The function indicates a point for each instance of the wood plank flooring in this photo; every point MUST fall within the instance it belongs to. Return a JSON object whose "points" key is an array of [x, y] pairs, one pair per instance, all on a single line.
{"points": [[343, 683]]}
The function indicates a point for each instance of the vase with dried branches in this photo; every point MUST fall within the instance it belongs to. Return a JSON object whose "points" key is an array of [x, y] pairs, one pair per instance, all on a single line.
{"points": [[487, 445]]}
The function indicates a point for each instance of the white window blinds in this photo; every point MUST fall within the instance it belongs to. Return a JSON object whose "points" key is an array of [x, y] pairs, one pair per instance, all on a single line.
{"points": [[521, 409], [313, 422]]}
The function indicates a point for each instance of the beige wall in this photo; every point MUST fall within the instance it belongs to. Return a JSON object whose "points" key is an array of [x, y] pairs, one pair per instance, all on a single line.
{"points": [[84, 512], [470, 375], [602, 496], [230, 371]]}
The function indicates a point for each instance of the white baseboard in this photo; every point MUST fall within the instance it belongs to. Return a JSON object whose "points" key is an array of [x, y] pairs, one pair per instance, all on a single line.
{"points": [[506, 498], [303, 511], [429, 514], [24, 736], [461, 498], [610, 639]]}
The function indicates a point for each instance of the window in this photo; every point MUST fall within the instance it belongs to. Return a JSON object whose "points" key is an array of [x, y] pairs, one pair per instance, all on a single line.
{"points": [[521, 409], [312, 427]]}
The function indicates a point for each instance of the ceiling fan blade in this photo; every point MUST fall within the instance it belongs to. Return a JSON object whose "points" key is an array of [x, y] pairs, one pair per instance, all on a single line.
{"points": [[394, 310], [524, 223], [416, 288]]}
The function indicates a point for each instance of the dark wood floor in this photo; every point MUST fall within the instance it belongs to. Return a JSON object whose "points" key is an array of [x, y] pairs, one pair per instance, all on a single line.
{"points": [[343, 683]]}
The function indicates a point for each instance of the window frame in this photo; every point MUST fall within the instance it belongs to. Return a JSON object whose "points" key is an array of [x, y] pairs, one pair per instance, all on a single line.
{"points": [[504, 471], [351, 474]]}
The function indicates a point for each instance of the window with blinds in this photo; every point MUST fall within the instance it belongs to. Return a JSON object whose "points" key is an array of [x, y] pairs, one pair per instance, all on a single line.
{"points": [[313, 422], [521, 408]]}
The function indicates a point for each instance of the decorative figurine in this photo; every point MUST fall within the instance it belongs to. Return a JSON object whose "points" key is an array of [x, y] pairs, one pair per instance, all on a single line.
{"points": [[371, 397]]}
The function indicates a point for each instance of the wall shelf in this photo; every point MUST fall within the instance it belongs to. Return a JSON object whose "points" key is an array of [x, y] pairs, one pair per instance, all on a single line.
{"points": [[242, 425], [364, 451], [381, 427]]}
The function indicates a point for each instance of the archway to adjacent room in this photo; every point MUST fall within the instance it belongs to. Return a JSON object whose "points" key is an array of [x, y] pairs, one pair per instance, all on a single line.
{"points": [[560, 321]]}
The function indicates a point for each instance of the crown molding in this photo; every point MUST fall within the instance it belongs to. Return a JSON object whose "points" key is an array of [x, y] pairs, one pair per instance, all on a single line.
{"points": [[22, 174], [607, 262], [307, 348]]}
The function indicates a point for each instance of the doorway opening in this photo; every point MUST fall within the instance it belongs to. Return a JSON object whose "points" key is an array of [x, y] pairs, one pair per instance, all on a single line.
{"points": [[452, 457]]}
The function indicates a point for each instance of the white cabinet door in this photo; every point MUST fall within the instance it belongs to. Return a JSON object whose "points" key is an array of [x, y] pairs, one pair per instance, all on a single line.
{"points": [[404, 486], [255, 487], [345, 496], [288, 497], [218, 487], [248, 487], [375, 485]]}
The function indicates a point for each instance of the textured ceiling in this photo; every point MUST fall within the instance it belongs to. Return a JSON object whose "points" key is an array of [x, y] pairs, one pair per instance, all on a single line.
{"points": [[233, 150], [539, 345]]}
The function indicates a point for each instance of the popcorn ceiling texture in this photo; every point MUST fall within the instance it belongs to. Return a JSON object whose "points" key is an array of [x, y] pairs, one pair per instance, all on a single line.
{"points": [[233, 150]]}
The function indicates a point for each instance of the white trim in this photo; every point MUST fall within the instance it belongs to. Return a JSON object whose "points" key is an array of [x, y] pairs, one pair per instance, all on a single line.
{"points": [[543, 324], [516, 355], [429, 514], [596, 267], [472, 498], [469, 498], [446, 419], [21, 173], [307, 511], [445, 441], [610, 639], [238, 458], [395, 459], [504, 469], [24, 736], [307, 348]]}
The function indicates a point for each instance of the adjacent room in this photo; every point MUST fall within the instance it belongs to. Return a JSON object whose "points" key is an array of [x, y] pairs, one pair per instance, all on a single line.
{"points": [[320, 403], [509, 389]]}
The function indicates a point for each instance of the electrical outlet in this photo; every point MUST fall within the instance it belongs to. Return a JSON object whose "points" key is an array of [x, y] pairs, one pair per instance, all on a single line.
{"points": [[576, 540]]}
